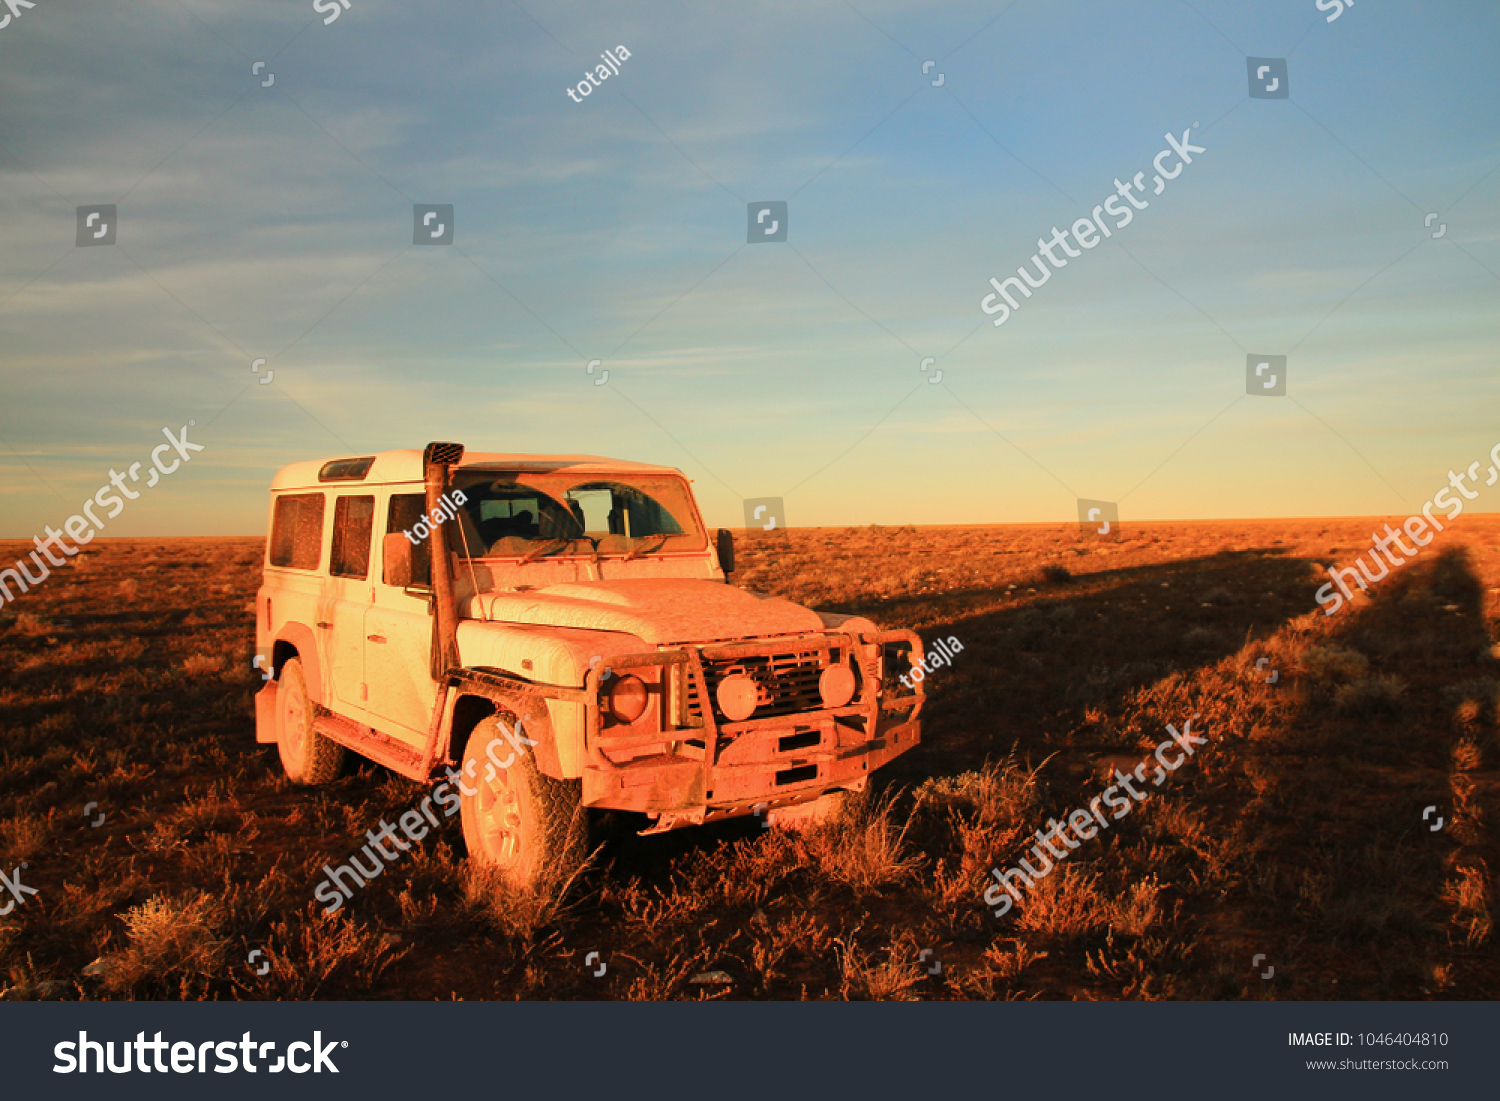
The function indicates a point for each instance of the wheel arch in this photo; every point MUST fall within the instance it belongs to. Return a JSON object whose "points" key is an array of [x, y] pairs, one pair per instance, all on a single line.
{"points": [[477, 703], [296, 641]]}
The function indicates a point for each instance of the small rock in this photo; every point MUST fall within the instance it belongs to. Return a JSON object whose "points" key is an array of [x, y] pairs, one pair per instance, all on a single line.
{"points": [[96, 970], [53, 990], [712, 977], [15, 994]]}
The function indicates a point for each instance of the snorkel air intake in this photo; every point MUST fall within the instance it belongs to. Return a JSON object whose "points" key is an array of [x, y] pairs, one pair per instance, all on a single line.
{"points": [[437, 459]]}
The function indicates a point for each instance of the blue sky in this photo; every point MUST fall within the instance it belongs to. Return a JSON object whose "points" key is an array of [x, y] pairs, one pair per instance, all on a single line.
{"points": [[276, 222]]}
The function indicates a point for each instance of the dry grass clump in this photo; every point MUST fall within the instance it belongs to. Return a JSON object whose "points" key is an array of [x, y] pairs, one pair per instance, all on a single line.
{"points": [[893, 979], [1473, 703], [984, 813], [1072, 901], [1370, 696], [175, 946], [862, 847], [1468, 893], [199, 665], [308, 951], [1334, 664], [520, 910], [32, 626], [21, 839]]}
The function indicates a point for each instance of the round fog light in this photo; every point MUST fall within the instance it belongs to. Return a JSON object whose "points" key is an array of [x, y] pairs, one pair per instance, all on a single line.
{"points": [[628, 698], [836, 685], [737, 696]]}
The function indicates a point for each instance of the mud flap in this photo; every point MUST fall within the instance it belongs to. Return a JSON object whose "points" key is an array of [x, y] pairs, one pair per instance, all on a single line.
{"points": [[265, 712]]}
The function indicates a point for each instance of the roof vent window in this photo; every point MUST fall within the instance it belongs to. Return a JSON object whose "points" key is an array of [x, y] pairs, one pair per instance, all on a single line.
{"points": [[346, 470]]}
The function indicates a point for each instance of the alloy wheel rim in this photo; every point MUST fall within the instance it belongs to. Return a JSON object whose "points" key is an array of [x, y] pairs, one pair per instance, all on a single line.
{"points": [[500, 819], [293, 717]]}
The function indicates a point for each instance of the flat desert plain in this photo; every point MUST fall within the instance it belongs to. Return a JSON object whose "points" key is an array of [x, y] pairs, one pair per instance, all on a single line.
{"points": [[1334, 838]]}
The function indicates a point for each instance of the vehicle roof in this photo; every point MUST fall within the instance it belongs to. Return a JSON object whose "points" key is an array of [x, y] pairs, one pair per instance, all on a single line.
{"points": [[406, 466]]}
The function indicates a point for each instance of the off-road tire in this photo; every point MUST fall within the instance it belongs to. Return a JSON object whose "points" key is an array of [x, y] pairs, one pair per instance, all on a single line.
{"points": [[529, 826], [308, 757]]}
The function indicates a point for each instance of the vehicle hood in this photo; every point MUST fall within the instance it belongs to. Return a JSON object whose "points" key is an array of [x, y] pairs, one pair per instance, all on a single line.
{"points": [[659, 611]]}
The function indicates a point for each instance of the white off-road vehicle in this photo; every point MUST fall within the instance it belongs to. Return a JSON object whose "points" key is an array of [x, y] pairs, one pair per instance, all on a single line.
{"points": [[413, 601]]}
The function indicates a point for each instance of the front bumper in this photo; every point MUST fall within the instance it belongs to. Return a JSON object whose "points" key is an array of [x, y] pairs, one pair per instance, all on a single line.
{"points": [[683, 763]]}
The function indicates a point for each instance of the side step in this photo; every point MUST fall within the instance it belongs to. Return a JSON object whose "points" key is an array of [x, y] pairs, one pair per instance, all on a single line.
{"points": [[381, 748]]}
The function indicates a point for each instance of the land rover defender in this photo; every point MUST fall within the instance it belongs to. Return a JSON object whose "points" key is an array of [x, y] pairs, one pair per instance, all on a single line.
{"points": [[414, 601]]}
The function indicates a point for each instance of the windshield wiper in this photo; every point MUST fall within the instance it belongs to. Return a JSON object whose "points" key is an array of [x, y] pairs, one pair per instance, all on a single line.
{"points": [[637, 552], [550, 546]]}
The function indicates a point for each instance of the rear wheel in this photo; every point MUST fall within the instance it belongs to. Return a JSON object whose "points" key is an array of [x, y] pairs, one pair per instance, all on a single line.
{"points": [[307, 756], [527, 825]]}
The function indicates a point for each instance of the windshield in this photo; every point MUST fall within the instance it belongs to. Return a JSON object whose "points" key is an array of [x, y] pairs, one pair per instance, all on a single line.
{"points": [[525, 514]]}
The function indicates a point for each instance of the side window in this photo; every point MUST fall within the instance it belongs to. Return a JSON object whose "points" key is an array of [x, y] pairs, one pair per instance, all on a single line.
{"points": [[297, 531], [406, 509], [353, 521]]}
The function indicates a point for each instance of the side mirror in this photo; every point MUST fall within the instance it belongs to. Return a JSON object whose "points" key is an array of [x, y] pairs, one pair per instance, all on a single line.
{"points": [[726, 551], [397, 552]]}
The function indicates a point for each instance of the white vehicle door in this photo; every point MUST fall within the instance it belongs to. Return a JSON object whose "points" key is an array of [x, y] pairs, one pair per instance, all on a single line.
{"points": [[398, 636], [350, 592]]}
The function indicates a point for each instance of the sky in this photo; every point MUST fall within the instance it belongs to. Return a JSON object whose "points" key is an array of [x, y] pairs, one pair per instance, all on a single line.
{"points": [[1351, 226]]}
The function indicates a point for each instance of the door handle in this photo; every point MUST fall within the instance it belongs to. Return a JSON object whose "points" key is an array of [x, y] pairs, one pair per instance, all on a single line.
{"points": [[322, 626], [376, 638]]}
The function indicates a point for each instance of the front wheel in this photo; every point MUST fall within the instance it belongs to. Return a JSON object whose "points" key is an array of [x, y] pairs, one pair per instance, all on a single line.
{"points": [[528, 825]]}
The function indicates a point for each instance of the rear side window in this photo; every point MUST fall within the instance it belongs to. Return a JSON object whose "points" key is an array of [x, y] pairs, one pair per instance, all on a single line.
{"points": [[353, 521], [406, 509], [297, 531]]}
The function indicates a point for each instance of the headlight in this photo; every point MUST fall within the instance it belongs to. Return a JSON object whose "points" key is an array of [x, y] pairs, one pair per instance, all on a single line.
{"points": [[836, 685], [738, 696], [628, 698]]}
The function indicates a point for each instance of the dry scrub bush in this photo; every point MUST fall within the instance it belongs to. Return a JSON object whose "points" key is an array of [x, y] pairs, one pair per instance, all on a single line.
{"points": [[862, 979], [1008, 960], [986, 812], [1330, 664], [512, 910], [31, 626], [1468, 894], [172, 943], [198, 665], [861, 847], [310, 950], [520, 910], [659, 983], [21, 838], [1071, 902], [1369, 696]]}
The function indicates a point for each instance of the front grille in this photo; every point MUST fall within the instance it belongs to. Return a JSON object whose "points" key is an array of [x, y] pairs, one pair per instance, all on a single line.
{"points": [[787, 683]]}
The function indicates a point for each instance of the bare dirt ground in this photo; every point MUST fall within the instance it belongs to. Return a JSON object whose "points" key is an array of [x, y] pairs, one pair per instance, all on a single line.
{"points": [[1296, 834]]}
